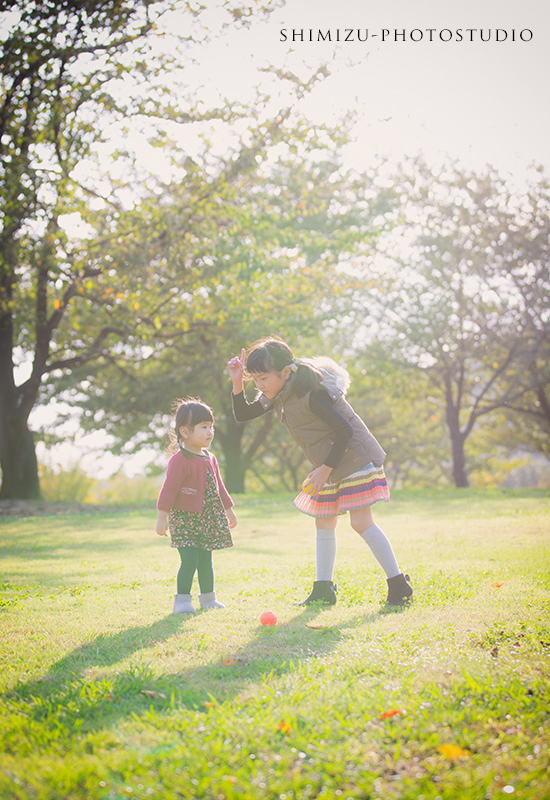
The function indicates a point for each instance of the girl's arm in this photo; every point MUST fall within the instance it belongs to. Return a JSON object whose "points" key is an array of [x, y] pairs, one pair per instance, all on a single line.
{"points": [[319, 404], [245, 411], [242, 409]]}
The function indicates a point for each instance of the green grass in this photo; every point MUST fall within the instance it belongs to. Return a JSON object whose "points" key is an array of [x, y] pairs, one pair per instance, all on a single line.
{"points": [[105, 694]]}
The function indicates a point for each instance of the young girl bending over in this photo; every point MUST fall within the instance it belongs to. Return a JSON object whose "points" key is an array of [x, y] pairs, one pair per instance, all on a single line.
{"points": [[195, 505], [308, 396]]}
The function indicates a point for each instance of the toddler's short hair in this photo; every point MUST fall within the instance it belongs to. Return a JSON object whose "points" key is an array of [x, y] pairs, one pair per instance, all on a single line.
{"points": [[188, 413]]}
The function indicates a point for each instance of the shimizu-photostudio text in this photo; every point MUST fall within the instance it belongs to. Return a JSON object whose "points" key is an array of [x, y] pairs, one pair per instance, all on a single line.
{"points": [[406, 35]]}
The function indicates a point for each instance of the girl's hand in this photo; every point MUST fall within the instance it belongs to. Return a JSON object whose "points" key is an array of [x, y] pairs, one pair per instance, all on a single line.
{"points": [[235, 367], [162, 524], [231, 518], [318, 478]]}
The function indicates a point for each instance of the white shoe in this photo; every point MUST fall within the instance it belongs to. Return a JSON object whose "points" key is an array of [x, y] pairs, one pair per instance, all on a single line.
{"points": [[208, 600], [183, 604]]}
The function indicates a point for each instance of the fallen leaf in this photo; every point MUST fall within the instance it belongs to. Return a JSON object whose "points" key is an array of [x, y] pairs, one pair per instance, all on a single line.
{"points": [[152, 694], [284, 727], [315, 627], [497, 584], [452, 751], [494, 651], [229, 662], [209, 705], [392, 712]]}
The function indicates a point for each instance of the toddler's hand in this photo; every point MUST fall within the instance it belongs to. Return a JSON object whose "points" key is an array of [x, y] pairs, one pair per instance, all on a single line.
{"points": [[161, 528], [231, 518]]}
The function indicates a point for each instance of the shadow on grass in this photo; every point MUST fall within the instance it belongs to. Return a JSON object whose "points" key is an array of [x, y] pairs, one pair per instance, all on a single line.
{"points": [[43, 542], [56, 557], [45, 552], [38, 544], [89, 703]]}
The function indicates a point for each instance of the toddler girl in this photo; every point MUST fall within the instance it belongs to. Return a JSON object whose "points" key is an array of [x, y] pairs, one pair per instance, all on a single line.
{"points": [[195, 505], [308, 396]]}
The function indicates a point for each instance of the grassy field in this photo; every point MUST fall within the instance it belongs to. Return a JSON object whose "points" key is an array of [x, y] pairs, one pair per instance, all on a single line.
{"points": [[106, 694]]}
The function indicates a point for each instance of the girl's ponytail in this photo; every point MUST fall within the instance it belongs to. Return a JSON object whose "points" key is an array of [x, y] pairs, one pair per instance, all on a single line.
{"points": [[306, 377]]}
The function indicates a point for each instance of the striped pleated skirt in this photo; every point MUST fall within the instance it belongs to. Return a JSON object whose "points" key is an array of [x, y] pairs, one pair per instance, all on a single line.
{"points": [[361, 489]]}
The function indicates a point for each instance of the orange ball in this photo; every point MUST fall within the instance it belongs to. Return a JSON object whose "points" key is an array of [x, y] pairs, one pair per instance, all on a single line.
{"points": [[268, 618]]}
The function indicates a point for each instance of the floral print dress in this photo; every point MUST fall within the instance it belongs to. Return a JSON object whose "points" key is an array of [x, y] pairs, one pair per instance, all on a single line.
{"points": [[209, 529]]}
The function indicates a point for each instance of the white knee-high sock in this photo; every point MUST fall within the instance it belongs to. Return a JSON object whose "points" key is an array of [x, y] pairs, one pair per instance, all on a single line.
{"points": [[325, 553], [381, 550]]}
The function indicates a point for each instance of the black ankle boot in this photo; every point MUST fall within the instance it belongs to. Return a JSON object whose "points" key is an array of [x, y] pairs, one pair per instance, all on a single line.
{"points": [[399, 590], [322, 592]]}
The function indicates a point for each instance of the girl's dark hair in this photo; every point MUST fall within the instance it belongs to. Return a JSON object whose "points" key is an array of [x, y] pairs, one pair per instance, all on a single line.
{"points": [[187, 413], [271, 354]]}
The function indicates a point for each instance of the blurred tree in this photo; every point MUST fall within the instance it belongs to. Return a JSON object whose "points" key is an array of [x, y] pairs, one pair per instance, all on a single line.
{"points": [[464, 293], [525, 261], [528, 423], [271, 254], [391, 398], [71, 73]]}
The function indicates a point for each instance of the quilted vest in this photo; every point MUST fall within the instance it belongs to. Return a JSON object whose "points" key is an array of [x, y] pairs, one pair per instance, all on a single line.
{"points": [[315, 437]]}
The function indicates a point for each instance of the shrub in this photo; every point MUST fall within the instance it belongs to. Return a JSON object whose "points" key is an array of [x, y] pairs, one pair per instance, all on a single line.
{"points": [[67, 485]]}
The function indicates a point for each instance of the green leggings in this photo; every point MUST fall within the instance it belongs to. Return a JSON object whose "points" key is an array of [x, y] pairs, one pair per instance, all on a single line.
{"points": [[194, 559]]}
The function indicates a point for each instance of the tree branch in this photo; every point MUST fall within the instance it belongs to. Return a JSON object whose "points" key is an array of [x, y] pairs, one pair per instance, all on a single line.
{"points": [[94, 351]]}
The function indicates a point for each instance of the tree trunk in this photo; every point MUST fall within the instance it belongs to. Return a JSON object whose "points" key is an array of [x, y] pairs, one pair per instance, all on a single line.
{"points": [[234, 472], [17, 453], [236, 460], [458, 437], [19, 465], [544, 403], [459, 460], [234, 468]]}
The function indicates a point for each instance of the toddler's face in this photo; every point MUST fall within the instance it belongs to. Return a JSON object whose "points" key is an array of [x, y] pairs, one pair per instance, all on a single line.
{"points": [[199, 437]]}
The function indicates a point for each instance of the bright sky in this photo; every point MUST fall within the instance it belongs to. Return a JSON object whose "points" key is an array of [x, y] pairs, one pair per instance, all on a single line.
{"points": [[477, 101], [480, 101]]}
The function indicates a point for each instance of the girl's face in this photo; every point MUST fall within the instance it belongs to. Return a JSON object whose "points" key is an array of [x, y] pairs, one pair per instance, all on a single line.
{"points": [[198, 438], [271, 383]]}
